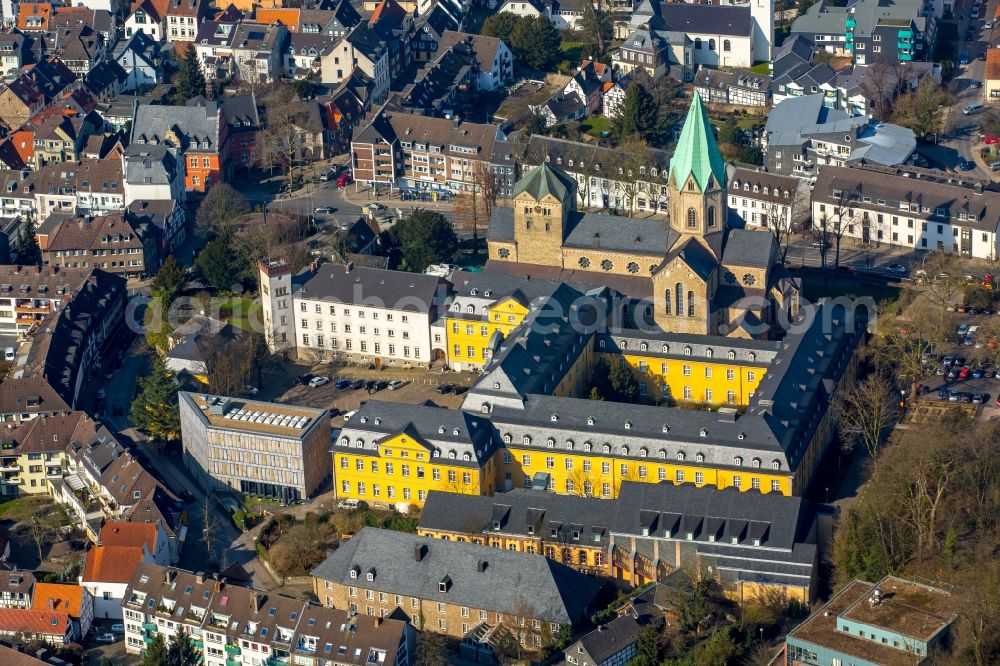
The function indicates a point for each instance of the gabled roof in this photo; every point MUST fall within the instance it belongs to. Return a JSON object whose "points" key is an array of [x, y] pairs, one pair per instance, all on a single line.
{"points": [[60, 597], [129, 535], [111, 564], [697, 155], [33, 622]]}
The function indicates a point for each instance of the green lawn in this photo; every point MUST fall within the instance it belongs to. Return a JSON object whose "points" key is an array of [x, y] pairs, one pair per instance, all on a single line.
{"points": [[572, 53], [20, 508], [595, 125], [241, 312], [762, 68]]}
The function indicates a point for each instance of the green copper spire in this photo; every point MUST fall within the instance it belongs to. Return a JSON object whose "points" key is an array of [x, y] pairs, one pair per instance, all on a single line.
{"points": [[697, 153]]}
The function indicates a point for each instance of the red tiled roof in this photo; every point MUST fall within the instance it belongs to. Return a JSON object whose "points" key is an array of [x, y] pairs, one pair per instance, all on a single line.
{"points": [[33, 622], [59, 597], [129, 535], [111, 564]]}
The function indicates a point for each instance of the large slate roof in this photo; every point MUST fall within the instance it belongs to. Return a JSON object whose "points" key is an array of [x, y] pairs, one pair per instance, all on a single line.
{"points": [[393, 289], [513, 583]]}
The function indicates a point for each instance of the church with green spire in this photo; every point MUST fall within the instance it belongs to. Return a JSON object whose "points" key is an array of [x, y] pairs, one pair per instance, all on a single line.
{"points": [[701, 272]]}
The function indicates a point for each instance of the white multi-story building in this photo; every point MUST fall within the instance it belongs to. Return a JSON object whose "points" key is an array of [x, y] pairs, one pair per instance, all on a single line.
{"points": [[763, 199], [239, 626], [912, 208], [366, 314]]}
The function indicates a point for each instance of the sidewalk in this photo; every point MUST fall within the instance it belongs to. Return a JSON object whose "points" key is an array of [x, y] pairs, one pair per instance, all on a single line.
{"points": [[983, 164]]}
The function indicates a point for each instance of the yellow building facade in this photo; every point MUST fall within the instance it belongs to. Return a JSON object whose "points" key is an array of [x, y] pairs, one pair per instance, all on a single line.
{"points": [[469, 333], [692, 380], [403, 470]]}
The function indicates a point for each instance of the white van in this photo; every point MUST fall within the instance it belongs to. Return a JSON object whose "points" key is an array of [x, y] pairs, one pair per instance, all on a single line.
{"points": [[970, 109]]}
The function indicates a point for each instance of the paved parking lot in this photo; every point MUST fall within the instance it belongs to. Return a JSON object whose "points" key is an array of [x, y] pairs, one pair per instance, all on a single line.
{"points": [[421, 386]]}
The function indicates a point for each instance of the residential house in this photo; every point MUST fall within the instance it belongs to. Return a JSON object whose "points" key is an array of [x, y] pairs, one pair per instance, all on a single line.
{"points": [[154, 181], [265, 622], [167, 216], [25, 398], [767, 200], [19, 100], [600, 183], [197, 131], [148, 16], [362, 49], [341, 110], [562, 14], [659, 53], [106, 80], [394, 26], [258, 52], [894, 621], [51, 76], [68, 345], [429, 32], [35, 17], [494, 61], [869, 31], [150, 536], [398, 149], [446, 87], [917, 209], [15, 588], [12, 51], [33, 453], [71, 599], [107, 571], [449, 587], [561, 107], [588, 84], [111, 242], [802, 134], [139, 56], [610, 644], [991, 76], [182, 19], [80, 47], [243, 145], [736, 88], [25, 624], [305, 53], [29, 293]]}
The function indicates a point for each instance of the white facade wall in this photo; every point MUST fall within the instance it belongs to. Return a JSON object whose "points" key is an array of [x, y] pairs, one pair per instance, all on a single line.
{"points": [[740, 53]]}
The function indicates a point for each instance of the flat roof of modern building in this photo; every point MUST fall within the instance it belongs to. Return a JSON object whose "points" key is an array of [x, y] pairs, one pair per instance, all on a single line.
{"points": [[907, 608], [267, 418]]}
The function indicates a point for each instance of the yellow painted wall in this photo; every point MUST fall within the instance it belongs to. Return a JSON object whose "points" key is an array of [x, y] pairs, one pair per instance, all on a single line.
{"points": [[606, 473], [579, 556], [404, 471], [504, 316], [695, 374], [34, 480]]}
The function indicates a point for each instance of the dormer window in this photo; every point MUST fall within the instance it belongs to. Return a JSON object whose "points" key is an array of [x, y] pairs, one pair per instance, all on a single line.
{"points": [[628, 425]]}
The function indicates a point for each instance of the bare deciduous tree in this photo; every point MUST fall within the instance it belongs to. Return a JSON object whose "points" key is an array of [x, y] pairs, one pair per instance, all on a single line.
{"points": [[865, 412]]}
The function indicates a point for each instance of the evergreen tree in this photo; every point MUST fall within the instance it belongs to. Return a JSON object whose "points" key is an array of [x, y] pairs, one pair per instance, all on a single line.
{"points": [[168, 281], [190, 81], [535, 124], [649, 646], [596, 26], [29, 253], [219, 263], [422, 239], [156, 653], [500, 26], [638, 114], [535, 42], [182, 651], [623, 383], [154, 409]]}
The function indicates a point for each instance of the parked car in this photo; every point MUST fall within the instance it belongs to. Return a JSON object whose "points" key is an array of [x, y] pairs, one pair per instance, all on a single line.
{"points": [[978, 373], [954, 395], [950, 360], [995, 166], [458, 390], [344, 179], [966, 398], [318, 381], [989, 140], [380, 384], [118, 628], [896, 269], [397, 383], [106, 638], [444, 388], [342, 384], [326, 210], [305, 379], [358, 383], [963, 58], [964, 373], [942, 393], [966, 165], [349, 504], [979, 398]]}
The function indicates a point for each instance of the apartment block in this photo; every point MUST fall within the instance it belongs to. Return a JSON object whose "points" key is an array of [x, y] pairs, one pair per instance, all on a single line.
{"points": [[911, 208], [238, 626], [449, 587], [29, 293], [263, 448]]}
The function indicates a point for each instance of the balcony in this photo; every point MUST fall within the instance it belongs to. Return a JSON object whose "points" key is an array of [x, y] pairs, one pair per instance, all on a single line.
{"points": [[233, 662], [198, 644], [149, 626], [10, 466], [232, 649]]}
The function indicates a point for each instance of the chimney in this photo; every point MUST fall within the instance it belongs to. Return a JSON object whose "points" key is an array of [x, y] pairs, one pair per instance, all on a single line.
{"points": [[419, 552], [199, 577], [348, 266], [258, 601], [481, 566]]}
